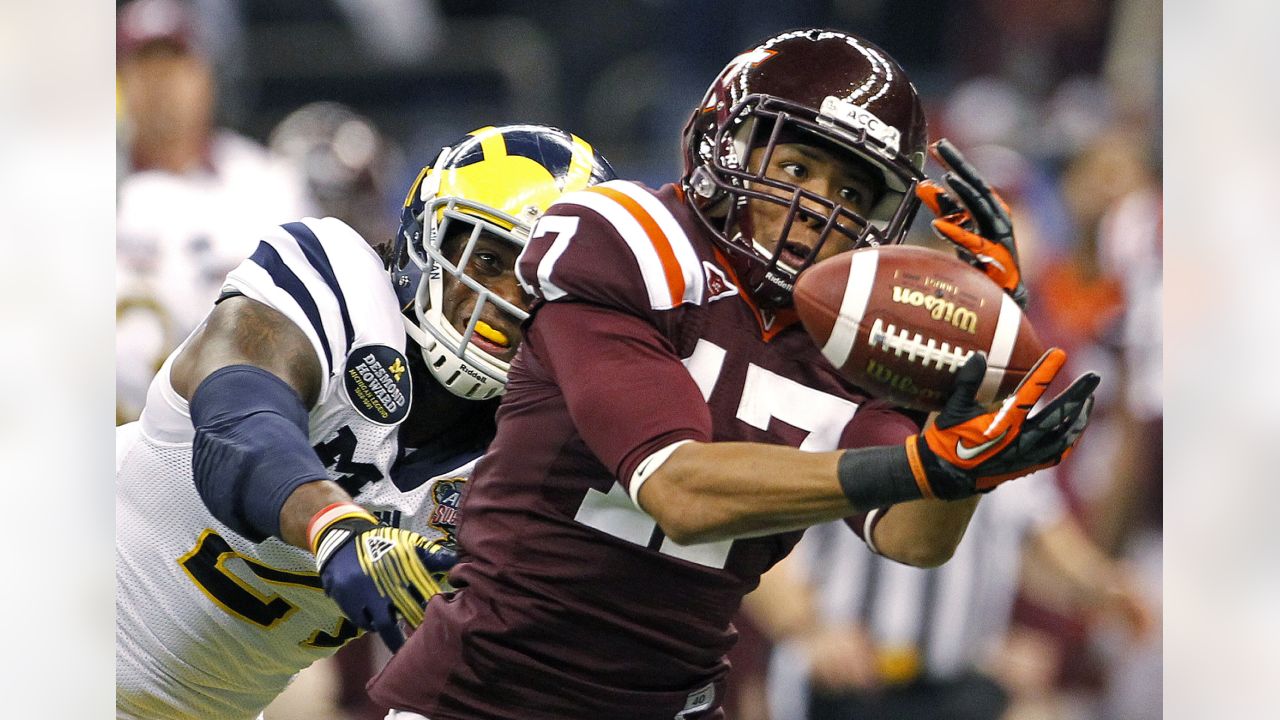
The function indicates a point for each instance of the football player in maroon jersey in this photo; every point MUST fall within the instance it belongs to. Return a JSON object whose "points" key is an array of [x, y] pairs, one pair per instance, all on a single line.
{"points": [[669, 429]]}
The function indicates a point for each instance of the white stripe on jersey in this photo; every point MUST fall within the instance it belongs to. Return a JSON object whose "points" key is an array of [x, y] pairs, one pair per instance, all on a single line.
{"points": [[646, 255], [255, 283], [358, 272], [564, 227], [262, 287], [690, 266]]}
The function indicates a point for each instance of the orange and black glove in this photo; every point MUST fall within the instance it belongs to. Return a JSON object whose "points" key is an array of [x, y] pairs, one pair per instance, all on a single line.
{"points": [[970, 449], [973, 217]]}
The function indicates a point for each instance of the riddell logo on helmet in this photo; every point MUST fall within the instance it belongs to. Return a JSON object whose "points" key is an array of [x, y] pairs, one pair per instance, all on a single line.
{"points": [[858, 117], [478, 376]]}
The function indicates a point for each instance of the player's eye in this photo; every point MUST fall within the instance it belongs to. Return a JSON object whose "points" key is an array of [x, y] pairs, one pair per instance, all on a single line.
{"points": [[852, 196], [795, 170], [486, 262]]}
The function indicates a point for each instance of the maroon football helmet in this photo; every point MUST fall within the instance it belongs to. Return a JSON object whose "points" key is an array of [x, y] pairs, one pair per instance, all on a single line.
{"points": [[820, 87]]}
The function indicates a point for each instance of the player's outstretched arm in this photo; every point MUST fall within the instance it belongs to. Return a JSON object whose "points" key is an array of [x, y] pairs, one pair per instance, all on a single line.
{"points": [[714, 491], [251, 377], [704, 492]]}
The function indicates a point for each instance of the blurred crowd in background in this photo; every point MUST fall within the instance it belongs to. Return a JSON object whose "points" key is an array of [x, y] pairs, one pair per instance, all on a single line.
{"points": [[236, 115]]}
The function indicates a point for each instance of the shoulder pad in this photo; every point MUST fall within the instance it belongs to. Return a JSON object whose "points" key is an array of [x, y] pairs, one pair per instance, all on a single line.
{"points": [[324, 277], [615, 244]]}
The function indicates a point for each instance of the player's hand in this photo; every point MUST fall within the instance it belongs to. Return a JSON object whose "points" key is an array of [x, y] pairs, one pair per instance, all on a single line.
{"points": [[377, 573], [970, 449], [973, 217]]}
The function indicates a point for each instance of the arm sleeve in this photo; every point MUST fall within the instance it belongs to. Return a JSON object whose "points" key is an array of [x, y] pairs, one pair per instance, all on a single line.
{"points": [[250, 450], [626, 390], [877, 423]]}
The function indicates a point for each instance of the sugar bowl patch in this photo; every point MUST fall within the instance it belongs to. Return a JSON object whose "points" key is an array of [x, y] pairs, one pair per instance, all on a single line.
{"points": [[446, 496], [378, 383]]}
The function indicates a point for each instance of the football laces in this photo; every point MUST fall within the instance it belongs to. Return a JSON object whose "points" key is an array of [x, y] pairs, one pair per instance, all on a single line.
{"points": [[917, 348]]}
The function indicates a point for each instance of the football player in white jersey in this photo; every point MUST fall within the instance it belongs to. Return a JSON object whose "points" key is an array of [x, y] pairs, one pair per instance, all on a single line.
{"points": [[259, 525]]}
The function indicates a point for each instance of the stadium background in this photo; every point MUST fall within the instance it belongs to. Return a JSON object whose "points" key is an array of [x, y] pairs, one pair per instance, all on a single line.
{"points": [[1041, 79], [1059, 104]]}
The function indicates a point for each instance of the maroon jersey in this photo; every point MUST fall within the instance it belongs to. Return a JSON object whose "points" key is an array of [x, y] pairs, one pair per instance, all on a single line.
{"points": [[571, 602]]}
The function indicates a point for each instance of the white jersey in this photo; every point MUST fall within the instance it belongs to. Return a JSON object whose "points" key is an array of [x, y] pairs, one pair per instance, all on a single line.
{"points": [[211, 625]]}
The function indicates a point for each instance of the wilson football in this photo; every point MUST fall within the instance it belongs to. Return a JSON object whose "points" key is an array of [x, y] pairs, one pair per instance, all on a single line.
{"points": [[898, 321]]}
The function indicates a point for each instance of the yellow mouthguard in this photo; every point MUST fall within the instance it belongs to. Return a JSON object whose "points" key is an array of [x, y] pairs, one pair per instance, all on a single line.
{"points": [[488, 332]]}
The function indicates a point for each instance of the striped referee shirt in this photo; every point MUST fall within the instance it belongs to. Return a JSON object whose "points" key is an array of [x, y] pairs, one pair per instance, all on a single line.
{"points": [[935, 623]]}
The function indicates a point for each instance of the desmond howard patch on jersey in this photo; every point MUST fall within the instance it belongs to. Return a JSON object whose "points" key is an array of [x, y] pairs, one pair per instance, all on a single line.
{"points": [[378, 383]]}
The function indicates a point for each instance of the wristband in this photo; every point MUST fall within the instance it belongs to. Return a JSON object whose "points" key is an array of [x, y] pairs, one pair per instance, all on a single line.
{"points": [[946, 481], [912, 448], [877, 476], [344, 519]]}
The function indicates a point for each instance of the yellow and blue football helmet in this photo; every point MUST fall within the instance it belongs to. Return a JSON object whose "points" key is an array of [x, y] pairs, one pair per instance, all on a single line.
{"points": [[498, 181]]}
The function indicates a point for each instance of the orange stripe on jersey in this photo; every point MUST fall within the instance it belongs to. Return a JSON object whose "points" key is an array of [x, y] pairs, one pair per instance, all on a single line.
{"points": [[670, 265]]}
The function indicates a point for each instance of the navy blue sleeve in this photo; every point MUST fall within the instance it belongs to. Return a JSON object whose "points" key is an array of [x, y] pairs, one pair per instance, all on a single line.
{"points": [[251, 448]]}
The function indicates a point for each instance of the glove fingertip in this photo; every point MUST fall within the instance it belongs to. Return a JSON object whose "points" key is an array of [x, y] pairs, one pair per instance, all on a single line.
{"points": [[443, 558], [1049, 364], [977, 359], [1082, 389], [944, 227], [957, 234], [943, 151], [969, 194], [928, 187], [971, 373]]}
